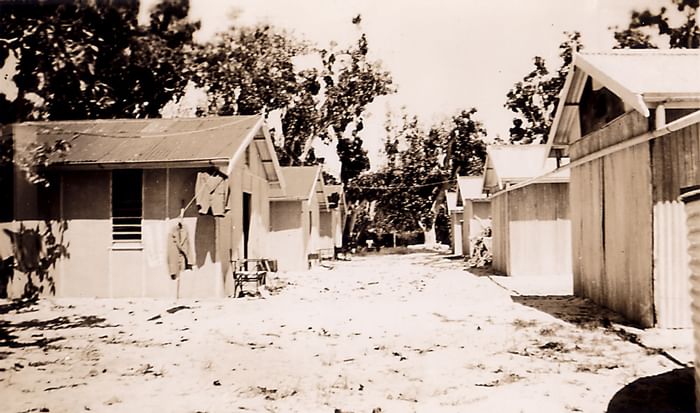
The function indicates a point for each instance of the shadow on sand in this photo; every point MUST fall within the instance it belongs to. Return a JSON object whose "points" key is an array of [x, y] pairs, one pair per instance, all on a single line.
{"points": [[8, 328], [487, 271], [574, 310], [670, 392]]}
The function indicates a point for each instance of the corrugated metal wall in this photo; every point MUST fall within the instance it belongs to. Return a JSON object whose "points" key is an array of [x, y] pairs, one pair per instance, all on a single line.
{"points": [[628, 227], [671, 275], [675, 163], [692, 210]]}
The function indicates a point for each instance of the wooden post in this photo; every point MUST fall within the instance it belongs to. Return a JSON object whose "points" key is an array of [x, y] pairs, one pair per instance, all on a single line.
{"points": [[660, 117]]}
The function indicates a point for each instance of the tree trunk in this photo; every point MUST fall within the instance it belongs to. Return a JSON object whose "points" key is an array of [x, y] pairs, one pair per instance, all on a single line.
{"points": [[351, 219]]}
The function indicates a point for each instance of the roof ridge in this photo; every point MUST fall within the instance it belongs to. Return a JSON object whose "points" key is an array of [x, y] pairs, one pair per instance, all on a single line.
{"points": [[623, 52], [516, 146], [131, 120], [302, 166]]}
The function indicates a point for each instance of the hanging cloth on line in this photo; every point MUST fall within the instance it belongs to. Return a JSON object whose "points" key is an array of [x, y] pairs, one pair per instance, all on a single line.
{"points": [[212, 193], [179, 251]]}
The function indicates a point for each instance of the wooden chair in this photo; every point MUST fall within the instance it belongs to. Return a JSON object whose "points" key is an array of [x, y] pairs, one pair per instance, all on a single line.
{"points": [[249, 270]]}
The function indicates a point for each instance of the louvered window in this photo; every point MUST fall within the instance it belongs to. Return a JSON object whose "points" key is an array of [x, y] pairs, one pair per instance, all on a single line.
{"points": [[127, 205]]}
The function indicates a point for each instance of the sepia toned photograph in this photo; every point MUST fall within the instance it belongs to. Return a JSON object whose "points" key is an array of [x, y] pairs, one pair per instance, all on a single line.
{"points": [[350, 206]]}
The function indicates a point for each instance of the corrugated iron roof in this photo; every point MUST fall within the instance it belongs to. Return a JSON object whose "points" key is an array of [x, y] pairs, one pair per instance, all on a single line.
{"points": [[640, 78], [147, 140], [470, 187], [300, 181], [647, 72], [509, 164]]}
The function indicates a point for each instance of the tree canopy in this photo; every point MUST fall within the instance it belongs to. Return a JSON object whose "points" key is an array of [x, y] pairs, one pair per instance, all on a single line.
{"points": [[422, 163], [92, 59], [534, 99], [250, 70], [646, 27], [87, 60]]}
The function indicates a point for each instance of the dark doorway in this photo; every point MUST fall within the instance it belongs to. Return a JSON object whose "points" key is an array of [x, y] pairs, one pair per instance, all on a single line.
{"points": [[246, 223]]}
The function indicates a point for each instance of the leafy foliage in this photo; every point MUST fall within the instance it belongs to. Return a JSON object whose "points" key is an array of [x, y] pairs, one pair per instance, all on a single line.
{"points": [[87, 60], [638, 33], [247, 71], [408, 192], [534, 99], [251, 70], [34, 159]]}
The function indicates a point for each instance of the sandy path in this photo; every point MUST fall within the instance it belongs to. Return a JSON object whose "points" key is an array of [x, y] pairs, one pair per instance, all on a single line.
{"points": [[398, 333]]}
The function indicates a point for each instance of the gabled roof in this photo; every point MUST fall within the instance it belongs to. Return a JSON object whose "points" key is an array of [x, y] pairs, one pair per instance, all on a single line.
{"points": [[149, 142], [510, 164], [470, 187], [642, 79], [451, 199], [301, 184]]}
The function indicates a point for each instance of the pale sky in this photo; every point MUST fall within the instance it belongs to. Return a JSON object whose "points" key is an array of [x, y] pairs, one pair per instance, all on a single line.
{"points": [[444, 55]]}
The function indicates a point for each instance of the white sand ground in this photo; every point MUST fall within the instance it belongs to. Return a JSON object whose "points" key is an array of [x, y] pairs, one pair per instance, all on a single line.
{"points": [[402, 333]]}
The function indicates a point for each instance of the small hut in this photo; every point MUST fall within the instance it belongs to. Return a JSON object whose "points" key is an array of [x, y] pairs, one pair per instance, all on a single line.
{"points": [[628, 119], [476, 209], [530, 211], [295, 217], [134, 208]]}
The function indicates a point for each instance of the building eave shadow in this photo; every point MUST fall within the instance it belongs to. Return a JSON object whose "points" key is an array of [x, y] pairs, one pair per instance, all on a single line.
{"points": [[670, 392], [574, 310]]}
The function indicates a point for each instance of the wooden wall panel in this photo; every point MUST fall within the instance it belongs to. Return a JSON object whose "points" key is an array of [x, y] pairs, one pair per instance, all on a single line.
{"points": [[628, 125], [467, 228], [540, 234], [628, 237], [500, 231], [587, 231], [675, 163], [532, 234]]}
